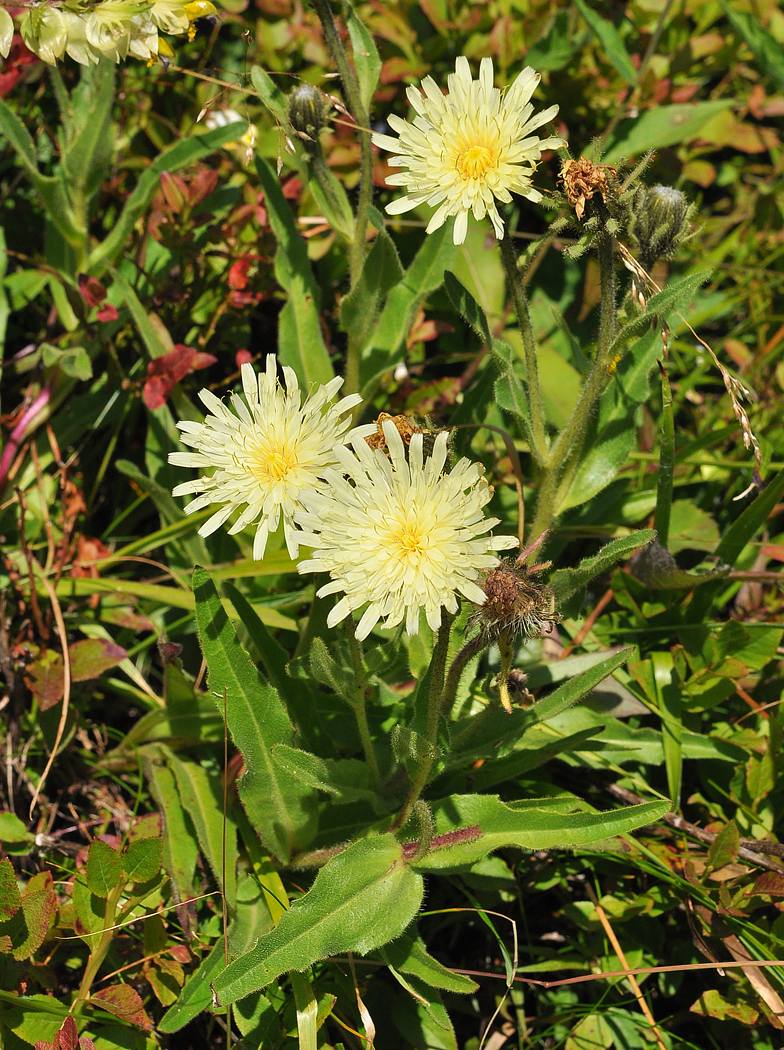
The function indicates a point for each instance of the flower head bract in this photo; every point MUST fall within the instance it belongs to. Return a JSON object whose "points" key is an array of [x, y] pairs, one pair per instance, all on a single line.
{"points": [[264, 452], [399, 534], [467, 149]]}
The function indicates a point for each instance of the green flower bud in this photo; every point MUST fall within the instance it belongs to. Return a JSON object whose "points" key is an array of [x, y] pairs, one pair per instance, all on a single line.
{"points": [[661, 223], [307, 110]]}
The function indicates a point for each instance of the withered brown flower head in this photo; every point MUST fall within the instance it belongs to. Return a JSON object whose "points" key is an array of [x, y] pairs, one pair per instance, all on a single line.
{"points": [[517, 602], [404, 425], [581, 179]]}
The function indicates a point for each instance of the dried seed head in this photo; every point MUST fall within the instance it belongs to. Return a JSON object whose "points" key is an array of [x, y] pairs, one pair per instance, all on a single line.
{"points": [[406, 426], [307, 110], [517, 602], [581, 179]]}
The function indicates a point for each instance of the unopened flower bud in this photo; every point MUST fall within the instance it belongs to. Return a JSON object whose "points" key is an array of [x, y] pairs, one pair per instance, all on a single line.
{"points": [[307, 110], [661, 223]]}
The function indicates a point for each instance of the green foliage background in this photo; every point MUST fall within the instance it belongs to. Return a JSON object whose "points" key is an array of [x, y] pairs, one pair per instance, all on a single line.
{"points": [[115, 175]]}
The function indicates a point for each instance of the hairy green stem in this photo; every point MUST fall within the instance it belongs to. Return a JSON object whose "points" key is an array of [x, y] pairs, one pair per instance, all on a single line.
{"points": [[437, 669], [538, 434], [456, 668], [359, 702], [362, 118], [568, 446]]}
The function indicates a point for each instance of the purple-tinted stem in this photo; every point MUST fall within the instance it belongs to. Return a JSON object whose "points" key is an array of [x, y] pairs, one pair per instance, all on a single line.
{"points": [[18, 434]]}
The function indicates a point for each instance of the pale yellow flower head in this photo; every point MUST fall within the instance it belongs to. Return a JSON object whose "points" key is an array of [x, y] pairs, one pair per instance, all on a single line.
{"points": [[399, 534], [468, 149], [264, 452]]}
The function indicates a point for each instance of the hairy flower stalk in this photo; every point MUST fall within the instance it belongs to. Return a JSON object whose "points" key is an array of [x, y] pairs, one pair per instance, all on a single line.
{"points": [[469, 149], [397, 534], [265, 452]]}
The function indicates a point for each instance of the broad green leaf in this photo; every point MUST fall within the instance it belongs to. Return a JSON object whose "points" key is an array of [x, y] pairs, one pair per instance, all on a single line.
{"points": [[279, 807], [724, 848], [566, 582], [179, 839], [744, 528], [467, 306], [662, 126], [576, 688], [381, 272], [509, 392], [10, 897], [270, 94], [12, 829], [424, 275], [90, 911], [408, 956], [766, 48], [142, 859], [610, 40], [360, 900], [555, 50], [202, 797], [300, 342], [197, 994], [50, 188], [480, 824], [612, 435], [347, 780], [186, 151], [367, 62], [89, 148], [28, 926], [104, 868]]}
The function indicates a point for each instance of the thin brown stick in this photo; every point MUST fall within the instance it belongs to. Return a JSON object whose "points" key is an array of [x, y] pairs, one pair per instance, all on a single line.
{"points": [[636, 990], [587, 627]]}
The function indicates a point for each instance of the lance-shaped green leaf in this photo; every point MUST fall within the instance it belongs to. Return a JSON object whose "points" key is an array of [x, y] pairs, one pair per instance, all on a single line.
{"points": [[566, 582], [104, 868], [363, 898], [89, 145], [279, 806], [300, 342], [475, 825], [408, 956], [381, 272], [184, 152], [663, 126], [367, 62], [468, 307], [196, 995], [610, 39], [765, 47]]}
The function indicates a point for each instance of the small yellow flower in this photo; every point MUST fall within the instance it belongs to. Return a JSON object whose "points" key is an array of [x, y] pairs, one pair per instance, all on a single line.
{"points": [[467, 149], [264, 453], [398, 534]]}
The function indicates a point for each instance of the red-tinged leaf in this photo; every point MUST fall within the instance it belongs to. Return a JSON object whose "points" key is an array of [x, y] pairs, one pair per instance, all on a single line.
{"points": [[13, 67], [396, 69], [243, 357], [769, 883], [238, 274], [202, 360], [68, 1037], [181, 953], [125, 616], [774, 550], [107, 313], [45, 678], [6, 944], [10, 897], [164, 372], [90, 657], [202, 185], [125, 1002], [175, 191], [91, 290], [28, 927], [292, 188], [156, 391]]}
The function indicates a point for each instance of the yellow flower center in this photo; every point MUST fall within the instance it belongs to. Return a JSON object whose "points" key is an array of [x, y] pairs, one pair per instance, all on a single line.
{"points": [[474, 161], [275, 464], [409, 541]]}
